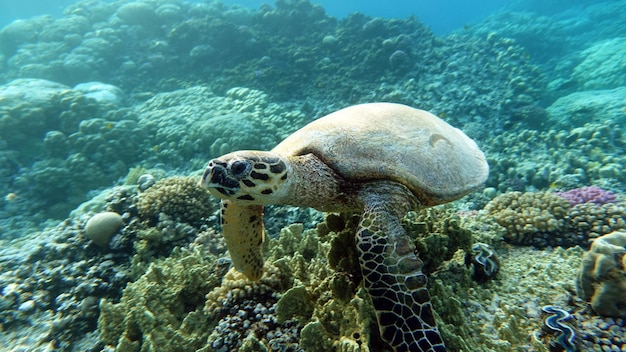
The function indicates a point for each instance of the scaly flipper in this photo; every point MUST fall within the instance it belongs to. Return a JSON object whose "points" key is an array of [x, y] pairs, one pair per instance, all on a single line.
{"points": [[242, 226], [392, 275]]}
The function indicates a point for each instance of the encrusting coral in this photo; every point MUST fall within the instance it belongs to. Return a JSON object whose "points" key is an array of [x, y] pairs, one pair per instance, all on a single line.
{"points": [[602, 276]]}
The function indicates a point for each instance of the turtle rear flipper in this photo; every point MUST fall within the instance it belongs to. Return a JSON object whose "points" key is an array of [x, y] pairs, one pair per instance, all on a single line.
{"points": [[393, 277]]}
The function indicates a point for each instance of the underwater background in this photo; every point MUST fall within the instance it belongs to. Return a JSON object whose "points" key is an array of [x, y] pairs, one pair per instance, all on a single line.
{"points": [[110, 110]]}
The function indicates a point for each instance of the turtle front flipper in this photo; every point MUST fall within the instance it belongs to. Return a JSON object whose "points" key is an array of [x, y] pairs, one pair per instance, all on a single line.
{"points": [[393, 277], [242, 226]]}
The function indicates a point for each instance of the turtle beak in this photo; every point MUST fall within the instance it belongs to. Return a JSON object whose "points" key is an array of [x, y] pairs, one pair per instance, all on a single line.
{"points": [[217, 180]]}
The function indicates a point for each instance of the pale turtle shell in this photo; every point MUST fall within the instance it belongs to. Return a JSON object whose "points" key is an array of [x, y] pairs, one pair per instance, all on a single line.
{"points": [[385, 141]]}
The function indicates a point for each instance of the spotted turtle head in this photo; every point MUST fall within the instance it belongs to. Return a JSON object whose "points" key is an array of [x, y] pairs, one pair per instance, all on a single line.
{"points": [[246, 176]]}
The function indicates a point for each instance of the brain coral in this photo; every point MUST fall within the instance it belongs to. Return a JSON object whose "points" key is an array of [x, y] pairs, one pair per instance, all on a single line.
{"points": [[602, 276], [530, 218], [178, 197]]}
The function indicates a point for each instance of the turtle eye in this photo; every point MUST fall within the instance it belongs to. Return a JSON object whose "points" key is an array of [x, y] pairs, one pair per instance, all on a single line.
{"points": [[240, 168]]}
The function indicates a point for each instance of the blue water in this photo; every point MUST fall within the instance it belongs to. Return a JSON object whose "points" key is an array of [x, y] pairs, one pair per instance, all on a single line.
{"points": [[441, 16]]}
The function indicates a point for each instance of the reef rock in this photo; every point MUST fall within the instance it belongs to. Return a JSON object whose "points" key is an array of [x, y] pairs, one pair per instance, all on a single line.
{"points": [[103, 93], [579, 108], [603, 65]]}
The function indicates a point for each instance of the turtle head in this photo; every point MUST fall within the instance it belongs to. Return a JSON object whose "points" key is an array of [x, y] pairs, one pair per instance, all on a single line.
{"points": [[247, 176]]}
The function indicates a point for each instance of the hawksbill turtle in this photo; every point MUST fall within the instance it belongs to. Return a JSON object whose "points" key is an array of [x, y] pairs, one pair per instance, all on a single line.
{"points": [[381, 159]]}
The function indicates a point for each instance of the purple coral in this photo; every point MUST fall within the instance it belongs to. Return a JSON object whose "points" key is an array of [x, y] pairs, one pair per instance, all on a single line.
{"points": [[590, 194]]}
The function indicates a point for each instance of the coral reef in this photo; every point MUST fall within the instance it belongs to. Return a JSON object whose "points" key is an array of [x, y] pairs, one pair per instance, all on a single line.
{"points": [[65, 144], [52, 282], [180, 198], [594, 153], [145, 48], [602, 65], [187, 81], [530, 218], [500, 314], [57, 277], [280, 49], [602, 276], [102, 226], [590, 194], [548, 219], [163, 308], [595, 106], [549, 30], [205, 125]]}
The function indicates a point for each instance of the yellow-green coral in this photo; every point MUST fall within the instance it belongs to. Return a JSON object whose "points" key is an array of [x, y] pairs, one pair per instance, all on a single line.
{"points": [[178, 197], [326, 305], [162, 310], [438, 233], [295, 303]]}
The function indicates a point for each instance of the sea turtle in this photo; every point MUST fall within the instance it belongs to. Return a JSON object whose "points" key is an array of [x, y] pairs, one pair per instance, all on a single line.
{"points": [[381, 159]]}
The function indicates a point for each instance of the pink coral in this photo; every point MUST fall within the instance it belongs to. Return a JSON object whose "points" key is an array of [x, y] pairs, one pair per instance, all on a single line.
{"points": [[590, 194]]}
